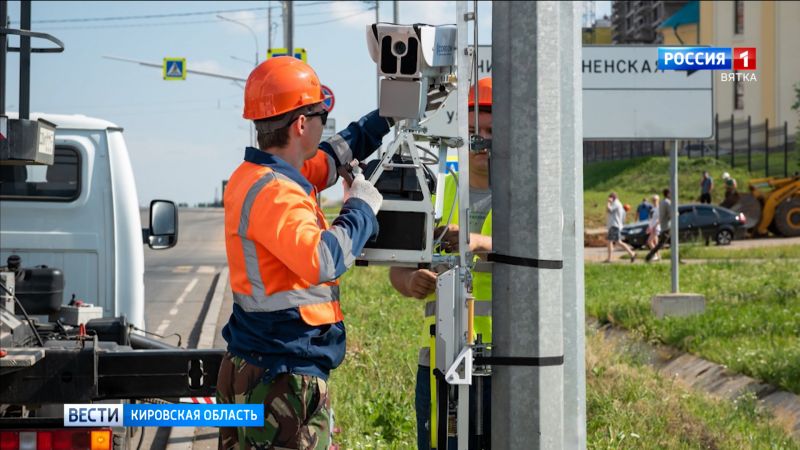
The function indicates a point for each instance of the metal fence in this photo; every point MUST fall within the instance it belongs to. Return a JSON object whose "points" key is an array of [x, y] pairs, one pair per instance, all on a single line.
{"points": [[741, 143]]}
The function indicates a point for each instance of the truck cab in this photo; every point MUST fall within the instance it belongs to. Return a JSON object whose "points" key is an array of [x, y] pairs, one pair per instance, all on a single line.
{"points": [[81, 215]]}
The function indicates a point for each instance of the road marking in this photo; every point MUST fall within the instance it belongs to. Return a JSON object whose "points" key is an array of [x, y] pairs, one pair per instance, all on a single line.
{"points": [[166, 322], [180, 300], [182, 438], [163, 327], [206, 269], [182, 269]]}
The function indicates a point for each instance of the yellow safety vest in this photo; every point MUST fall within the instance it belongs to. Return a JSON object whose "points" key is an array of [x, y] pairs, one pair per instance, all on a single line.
{"points": [[481, 281]]}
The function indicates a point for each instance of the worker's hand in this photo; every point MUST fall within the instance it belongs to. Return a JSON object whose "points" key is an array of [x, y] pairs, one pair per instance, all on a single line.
{"points": [[449, 241], [421, 283], [364, 190]]}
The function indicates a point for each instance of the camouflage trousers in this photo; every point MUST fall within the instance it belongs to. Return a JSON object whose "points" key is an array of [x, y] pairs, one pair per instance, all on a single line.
{"points": [[295, 408]]}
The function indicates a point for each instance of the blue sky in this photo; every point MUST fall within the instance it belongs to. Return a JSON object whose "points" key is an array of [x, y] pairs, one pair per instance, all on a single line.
{"points": [[185, 137]]}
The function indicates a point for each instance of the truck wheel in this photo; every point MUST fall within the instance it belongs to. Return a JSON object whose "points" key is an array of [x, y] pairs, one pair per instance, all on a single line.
{"points": [[751, 208], [787, 217], [724, 237]]}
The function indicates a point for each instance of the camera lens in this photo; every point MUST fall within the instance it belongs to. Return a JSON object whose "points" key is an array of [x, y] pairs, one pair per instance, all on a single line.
{"points": [[399, 47]]}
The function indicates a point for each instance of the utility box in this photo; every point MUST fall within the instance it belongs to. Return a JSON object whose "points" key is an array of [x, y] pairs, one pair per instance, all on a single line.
{"points": [[27, 142], [76, 315], [677, 305]]}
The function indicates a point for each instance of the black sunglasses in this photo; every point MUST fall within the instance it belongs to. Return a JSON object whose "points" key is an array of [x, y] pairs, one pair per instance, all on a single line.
{"points": [[322, 115]]}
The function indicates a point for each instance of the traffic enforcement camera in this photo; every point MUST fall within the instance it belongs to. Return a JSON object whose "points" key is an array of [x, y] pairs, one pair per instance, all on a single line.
{"points": [[415, 63]]}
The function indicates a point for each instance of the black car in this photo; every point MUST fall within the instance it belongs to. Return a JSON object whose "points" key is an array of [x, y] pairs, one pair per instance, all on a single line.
{"points": [[695, 222]]}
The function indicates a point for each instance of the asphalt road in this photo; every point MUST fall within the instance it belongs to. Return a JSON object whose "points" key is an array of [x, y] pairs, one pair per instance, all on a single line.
{"points": [[178, 283]]}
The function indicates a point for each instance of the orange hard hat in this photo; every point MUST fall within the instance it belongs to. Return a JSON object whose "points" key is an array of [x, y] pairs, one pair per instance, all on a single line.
{"points": [[626, 207], [279, 85], [484, 93]]}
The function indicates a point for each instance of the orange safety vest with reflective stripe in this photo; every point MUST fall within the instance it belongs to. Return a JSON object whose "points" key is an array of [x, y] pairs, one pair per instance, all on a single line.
{"points": [[284, 259]]}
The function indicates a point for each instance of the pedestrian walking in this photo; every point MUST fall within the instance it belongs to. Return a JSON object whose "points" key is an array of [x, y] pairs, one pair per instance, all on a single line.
{"points": [[616, 219], [645, 210], [706, 188], [654, 229], [665, 218]]}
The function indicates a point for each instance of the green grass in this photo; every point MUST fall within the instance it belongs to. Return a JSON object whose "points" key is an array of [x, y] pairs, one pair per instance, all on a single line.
{"points": [[373, 390], [752, 318], [715, 252], [637, 178], [630, 406]]}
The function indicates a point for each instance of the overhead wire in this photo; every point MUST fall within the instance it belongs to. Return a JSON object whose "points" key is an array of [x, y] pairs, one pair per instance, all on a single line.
{"points": [[196, 22], [159, 16]]}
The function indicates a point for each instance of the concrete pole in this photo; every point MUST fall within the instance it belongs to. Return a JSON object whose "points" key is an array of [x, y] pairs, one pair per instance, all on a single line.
{"points": [[572, 237], [269, 25], [673, 245], [3, 55], [288, 27], [528, 404]]}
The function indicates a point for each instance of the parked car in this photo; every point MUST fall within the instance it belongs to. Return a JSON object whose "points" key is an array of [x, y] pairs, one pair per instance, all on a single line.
{"points": [[695, 222]]}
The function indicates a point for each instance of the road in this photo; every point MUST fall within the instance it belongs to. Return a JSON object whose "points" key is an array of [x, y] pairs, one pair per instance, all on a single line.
{"points": [[178, 284]]}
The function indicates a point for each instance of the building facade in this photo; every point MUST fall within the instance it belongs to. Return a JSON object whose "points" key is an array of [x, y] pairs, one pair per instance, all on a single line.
{"points": [[773, 29], [636, 22]]}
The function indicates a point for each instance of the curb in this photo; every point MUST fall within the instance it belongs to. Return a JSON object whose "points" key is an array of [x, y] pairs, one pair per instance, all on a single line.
{"points": [[182, 438]]}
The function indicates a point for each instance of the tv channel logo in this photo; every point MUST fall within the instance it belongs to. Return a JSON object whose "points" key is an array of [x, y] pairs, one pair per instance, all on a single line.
{"points": [[93, 415], [706, 58]]}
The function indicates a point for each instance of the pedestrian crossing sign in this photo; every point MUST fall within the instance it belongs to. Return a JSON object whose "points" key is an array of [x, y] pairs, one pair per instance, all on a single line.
{"points": [[299, 53], [174, 68]]}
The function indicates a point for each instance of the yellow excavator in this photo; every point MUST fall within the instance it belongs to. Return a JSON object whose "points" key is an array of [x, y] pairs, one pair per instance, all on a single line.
{"points": [[773, 204]]}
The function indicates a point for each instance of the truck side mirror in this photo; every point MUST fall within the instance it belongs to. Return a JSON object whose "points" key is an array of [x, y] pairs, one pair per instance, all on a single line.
{"points": [[163, 231]]}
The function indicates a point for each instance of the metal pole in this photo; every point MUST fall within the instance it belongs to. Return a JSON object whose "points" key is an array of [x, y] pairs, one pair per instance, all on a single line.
{"points": [[377, 69], [528, 403], [673, 229], [749, 144], [25, 62], [716, 136], [290, 28], [766, 147], [733, 140], [572, 233], [253, 138], [395, 11], [785, 149], [4, 23], [269, 25]]}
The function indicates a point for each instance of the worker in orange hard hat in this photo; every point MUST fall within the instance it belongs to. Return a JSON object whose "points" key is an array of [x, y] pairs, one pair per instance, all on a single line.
{"points": [[421, 283], [286, 332]]}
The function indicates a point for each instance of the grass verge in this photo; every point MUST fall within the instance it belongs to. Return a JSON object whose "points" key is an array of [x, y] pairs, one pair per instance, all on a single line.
{"points": [[629, 405], [752, 318], [714, 252], [373, 390]]}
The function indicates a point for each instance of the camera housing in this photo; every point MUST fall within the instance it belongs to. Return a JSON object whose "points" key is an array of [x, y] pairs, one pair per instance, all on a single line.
{"points": [[413, 61]]}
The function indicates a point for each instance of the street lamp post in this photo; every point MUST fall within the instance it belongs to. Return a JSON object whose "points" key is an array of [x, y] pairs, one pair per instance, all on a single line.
{"points": [[255, 41]]}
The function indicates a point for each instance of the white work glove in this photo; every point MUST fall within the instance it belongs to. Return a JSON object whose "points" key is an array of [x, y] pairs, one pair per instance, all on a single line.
{"points": [[364, 190]]}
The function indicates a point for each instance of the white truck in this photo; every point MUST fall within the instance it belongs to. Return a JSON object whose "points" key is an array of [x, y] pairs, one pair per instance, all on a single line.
{"points": [[81, 215], [68, 202]]}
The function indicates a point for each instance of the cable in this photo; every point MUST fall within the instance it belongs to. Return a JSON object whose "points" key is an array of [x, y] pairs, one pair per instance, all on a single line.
{"points": [[148, 16], [24, 313], [332, 20], [158, 335], [195, 22], [433, 158], [159, 16]]}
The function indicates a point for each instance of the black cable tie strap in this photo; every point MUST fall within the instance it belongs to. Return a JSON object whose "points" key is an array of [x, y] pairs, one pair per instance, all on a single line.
{"points": [[519, 361], [526, 262]]}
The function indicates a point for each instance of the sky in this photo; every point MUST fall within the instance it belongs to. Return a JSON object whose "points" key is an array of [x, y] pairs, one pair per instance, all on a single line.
{"points": [[185, 137]]}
